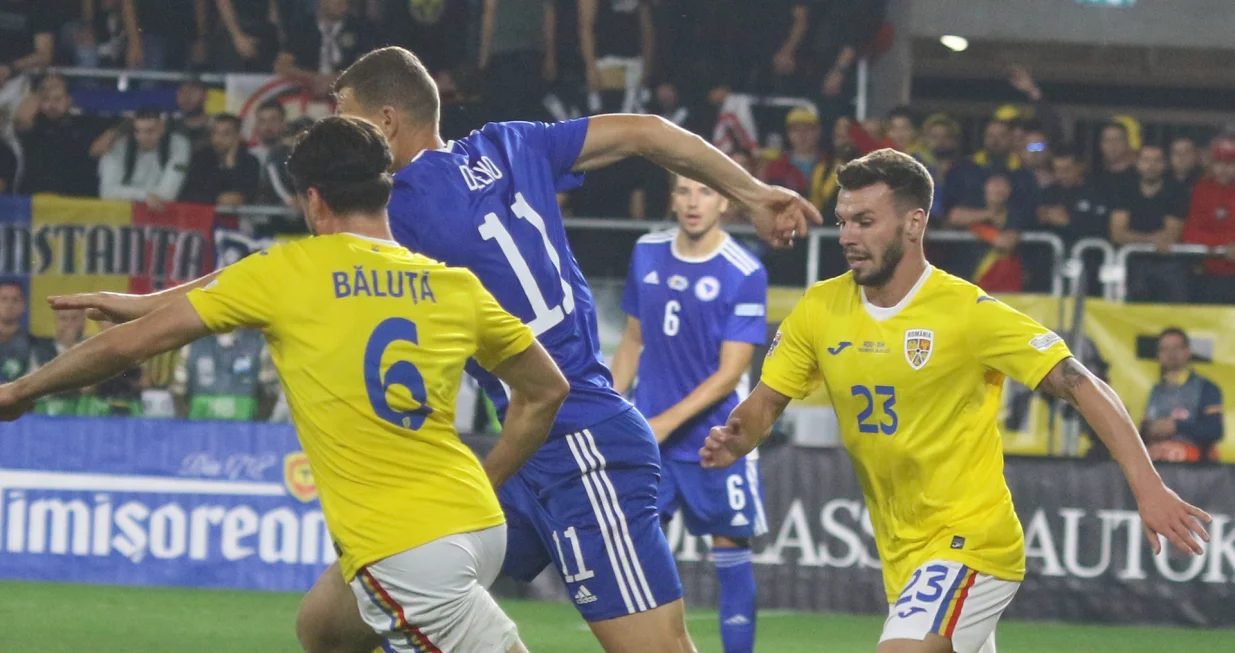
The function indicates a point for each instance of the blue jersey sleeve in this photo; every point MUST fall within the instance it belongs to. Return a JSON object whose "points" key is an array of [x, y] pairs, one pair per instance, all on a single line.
{"points": [[560, 142], [747, 321], [630, 295]]}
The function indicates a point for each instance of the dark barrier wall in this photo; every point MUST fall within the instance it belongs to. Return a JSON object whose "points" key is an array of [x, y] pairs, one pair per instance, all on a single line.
{"points": [[146, 502]]}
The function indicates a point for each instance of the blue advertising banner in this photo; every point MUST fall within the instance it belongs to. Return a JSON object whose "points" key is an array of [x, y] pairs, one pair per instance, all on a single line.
{"points": [[146, 502]]}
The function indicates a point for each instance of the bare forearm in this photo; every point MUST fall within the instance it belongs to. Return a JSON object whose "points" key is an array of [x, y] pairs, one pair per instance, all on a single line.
{"points": [[90, 362], [40, 58], [525, 429], [626, 364], [488, 20], [128, 11], [684, 153], [713, 389], [756, 415], [797, 32], [227, 15]]}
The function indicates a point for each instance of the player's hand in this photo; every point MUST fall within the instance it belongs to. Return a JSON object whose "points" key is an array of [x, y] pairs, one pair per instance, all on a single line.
{"points": [[722, 447], [780, 215], [11, 407], [1181, 523], [110, 306]]}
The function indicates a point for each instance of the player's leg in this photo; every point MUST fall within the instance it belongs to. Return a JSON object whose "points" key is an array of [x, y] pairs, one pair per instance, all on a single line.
{"points": [[434, 597], [946, 607], [727, 504], [329, 619], [600, 521]]}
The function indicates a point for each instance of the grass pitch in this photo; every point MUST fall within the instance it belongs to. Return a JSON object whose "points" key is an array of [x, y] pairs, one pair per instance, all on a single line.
{"points": [[57, 618]]}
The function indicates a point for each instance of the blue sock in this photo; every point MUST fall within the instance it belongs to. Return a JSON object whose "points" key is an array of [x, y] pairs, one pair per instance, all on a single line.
{"points": [[737, 598]]}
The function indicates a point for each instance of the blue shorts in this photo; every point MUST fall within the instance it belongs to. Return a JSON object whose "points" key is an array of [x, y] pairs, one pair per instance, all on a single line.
{"points": [[586, 503], [726, 502]]}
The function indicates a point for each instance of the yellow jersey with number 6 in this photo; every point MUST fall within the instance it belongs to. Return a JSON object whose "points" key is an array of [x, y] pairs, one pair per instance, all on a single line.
{"points": [[370, 341], [916, 388]]}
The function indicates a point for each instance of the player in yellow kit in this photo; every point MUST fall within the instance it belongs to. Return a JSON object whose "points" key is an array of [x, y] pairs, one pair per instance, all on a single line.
{"points": [[370, 342], [914, 360]]}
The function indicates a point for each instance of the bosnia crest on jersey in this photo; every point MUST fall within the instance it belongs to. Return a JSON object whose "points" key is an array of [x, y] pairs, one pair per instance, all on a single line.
{"points": [[918, 346]]}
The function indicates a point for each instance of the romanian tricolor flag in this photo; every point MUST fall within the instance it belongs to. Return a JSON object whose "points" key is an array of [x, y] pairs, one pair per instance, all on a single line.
{"points": [[56, 245]]}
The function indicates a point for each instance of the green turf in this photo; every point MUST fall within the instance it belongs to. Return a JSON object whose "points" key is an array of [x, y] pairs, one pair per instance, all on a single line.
{"points": [[46, 618]]}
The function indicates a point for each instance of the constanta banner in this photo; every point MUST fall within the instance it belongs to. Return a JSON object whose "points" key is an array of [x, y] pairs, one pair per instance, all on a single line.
{"points": [[56, 245]]}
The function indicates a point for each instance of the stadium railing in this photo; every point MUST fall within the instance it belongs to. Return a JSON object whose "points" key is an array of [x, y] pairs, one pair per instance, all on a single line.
{"points": [[1117, 285]]}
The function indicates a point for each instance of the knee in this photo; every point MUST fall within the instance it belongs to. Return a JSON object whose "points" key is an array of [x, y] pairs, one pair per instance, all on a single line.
{"points": [[313, 632]]}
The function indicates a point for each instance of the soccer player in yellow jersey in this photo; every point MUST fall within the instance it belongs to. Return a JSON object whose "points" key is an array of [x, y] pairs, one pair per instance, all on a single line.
{"points": [[914, 360], [370, 341]]}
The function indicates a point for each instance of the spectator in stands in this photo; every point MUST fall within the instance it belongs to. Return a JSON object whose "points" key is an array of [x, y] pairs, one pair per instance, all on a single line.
{"points": [[851, 27], [8, 165], [563, 67], [107, 36], [512, 59], [1071, 207], [247, 38], [275, 185], [1186, 166], [225, 173], [1117, 176], [1152, 212], [147, 166], [70, 330], [785, 63], [168, 30], [999, 269], [228, 376], [1211, 221], [321, 46], [62, 146], [191, 121], [804, 167], [438, 32], [1036, 153], [1183, 417], [964, 202], [942, 140], [16, 345], [27, 43], [617, 39], [271, 121]]}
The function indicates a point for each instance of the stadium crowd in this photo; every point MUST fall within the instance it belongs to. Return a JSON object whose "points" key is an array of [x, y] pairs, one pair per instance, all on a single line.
{"points": [[707, 65]]}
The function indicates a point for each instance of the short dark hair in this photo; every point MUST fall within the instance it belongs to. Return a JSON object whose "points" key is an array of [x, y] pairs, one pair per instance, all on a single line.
{"points": [[909, 181], [1066, 151], [273, 105], [345, 159], [231, 118], [393, 76], [1155, 144], [1176, 331], [1117, 125], [148, 113], [6, 283], [903, 112], [1183, 137]]}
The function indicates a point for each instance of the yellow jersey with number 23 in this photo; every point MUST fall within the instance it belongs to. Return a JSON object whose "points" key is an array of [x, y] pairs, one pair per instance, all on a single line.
{"points": [[916, 388], [370, 341]]}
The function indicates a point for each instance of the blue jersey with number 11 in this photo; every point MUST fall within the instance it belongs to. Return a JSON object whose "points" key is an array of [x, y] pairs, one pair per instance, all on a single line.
{"points": [[488, 203]]}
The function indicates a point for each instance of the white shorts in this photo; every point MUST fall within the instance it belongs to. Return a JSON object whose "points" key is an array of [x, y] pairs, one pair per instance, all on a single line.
{"points": [[950, 600], [434, 597]]}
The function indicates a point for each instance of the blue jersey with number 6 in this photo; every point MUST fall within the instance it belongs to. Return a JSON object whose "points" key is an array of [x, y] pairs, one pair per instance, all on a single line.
{"points": [[488, 202]]}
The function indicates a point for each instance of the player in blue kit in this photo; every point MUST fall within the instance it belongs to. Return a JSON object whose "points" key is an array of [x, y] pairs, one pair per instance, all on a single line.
{"points": [[586, 503], [696, 302]]}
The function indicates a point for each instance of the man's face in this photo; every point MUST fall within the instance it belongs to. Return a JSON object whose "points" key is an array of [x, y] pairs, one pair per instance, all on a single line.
{"points": [[804, 138], [940, 138], [872, 233], [191, 98], [12, 303], [997, 190], [224, 136], [1151, 163], [902, 132], [270, 124], [1114, 144], [1173, 353], [54, 100], [998, 138], [840, 133], [697, 207], [147, 132], [70, 325], [1068, 171], [1035, 153], [1224, 172], [333, 9], [1184, 155]]}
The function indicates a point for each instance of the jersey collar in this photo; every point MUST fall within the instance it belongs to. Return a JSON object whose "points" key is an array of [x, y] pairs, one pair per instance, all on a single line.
{"points": [[673, 248], [379, 241], [445, 148], [881, 313]]}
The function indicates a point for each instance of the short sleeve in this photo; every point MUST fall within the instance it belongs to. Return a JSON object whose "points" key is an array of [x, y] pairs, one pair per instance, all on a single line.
{"points": [[500, 335], [747, 321], [244, 294], [791, 367], [559, 142], [1012, 343], [630, 294]]}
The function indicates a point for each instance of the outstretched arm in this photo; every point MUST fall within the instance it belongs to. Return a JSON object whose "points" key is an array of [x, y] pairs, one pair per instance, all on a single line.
{"points": [[105, 356], [779, 214], [123, 307], [749, 425], [1162, 511]]}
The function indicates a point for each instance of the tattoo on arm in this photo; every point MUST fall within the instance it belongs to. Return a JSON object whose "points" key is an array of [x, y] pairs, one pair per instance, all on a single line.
{"points": [[1063, 380]]}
